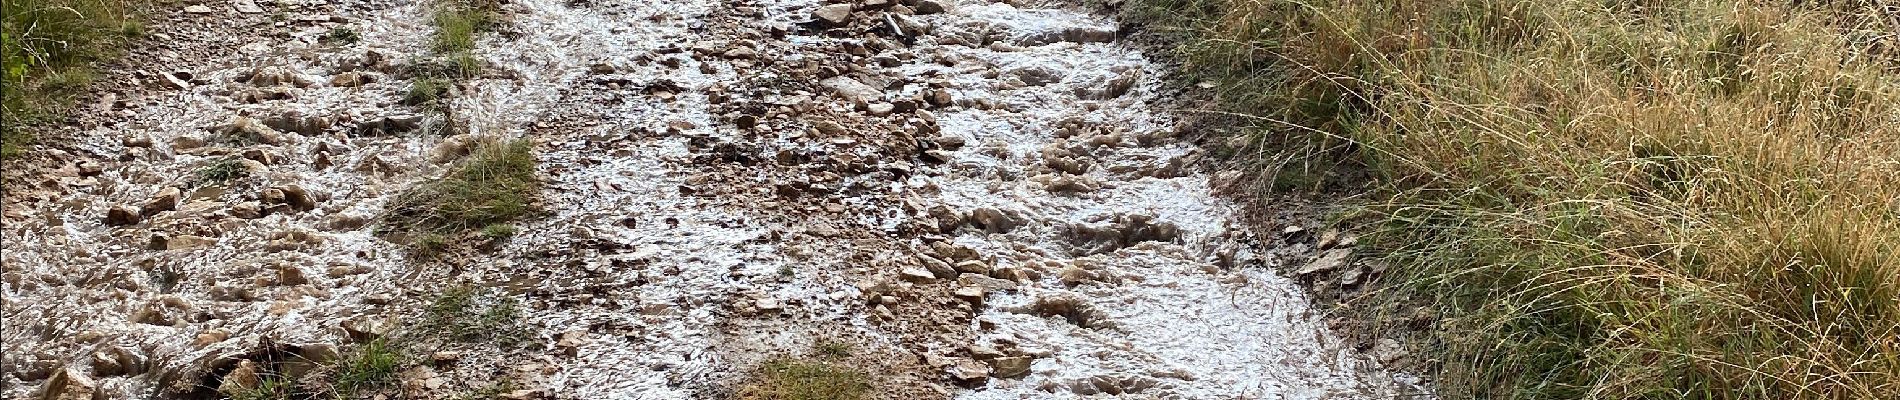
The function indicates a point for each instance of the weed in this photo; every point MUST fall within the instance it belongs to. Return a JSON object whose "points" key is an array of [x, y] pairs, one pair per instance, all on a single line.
{"points": [[342, 34], [490, 391], [493, 184], [457, 22], [427, 91], [787, 379], [220, 172], [1640, 200], [498, 231], [833, 349], [370, 366], [269, 387], [467, 314]]}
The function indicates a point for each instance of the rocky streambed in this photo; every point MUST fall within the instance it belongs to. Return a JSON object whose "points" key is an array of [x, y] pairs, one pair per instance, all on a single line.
{"points": [[979, 200]]}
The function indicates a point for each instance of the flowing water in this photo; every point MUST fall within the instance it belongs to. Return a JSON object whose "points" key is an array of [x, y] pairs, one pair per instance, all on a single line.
{"points": [[680, 247]]}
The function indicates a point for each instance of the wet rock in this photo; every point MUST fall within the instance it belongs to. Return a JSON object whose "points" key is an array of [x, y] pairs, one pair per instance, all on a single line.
{"points": [[246, 210], [992, 220], [246, 6], [938, 156], [186, 142], [136, 140], [1010, 367], [210, 337], [247, 130], [182, 242], [296, 197], [308, 358], [165, 200], [67, 384], [972, 294], [122, 216], [973, 266], [1389, 351], [241, 380], [1326, 261], [1067, 183], [1123, 231], [986, 282], [940, 98], [89, 168], [295, 121], [388, 125], [274, 76], [927, 7], [112, 360], [833, 14], [916, 274], [969, 373], [938, 268], [858, 93], [351, 79]]}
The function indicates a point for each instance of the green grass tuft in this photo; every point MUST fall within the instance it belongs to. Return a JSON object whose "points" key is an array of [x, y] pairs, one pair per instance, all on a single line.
{"points": [[220, 172], [369, 366], [787, 379], [494, 184], [469, 314]]}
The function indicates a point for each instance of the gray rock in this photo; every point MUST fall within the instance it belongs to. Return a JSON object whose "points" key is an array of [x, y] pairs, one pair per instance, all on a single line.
{"points": [[1326, 261]]}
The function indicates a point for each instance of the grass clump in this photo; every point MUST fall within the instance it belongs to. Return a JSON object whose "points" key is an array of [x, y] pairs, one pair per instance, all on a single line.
{"points": [[493, 184], [220, 172], [47, 49], [343, 35], [467, 314], [787, 379], [1695, 199], [268, 388], [370, 366]]}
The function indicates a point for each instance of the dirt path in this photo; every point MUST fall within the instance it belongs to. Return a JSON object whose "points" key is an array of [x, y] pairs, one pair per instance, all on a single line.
{"points": [[978, 200]]}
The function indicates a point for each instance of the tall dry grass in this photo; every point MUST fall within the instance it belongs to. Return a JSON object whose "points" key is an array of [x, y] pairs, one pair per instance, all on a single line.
{"points": [[47, 48], [1603, 199]]}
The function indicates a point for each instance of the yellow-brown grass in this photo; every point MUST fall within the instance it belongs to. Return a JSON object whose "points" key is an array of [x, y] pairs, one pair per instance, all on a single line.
{"points": [[1604, 199]]}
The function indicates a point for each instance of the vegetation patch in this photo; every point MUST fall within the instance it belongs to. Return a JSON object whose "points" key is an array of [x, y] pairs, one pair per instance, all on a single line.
{"points": [[47, 52], [372, 365], [494, 184], [468, 314], [219, 172], [1628, 199], [788, 379]]}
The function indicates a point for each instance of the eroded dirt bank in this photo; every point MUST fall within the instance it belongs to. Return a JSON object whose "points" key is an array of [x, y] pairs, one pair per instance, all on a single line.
{"points": [[983, 200]]}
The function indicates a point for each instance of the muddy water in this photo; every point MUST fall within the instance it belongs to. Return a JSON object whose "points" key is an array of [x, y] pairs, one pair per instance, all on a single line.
{"points": [[670, 260]]}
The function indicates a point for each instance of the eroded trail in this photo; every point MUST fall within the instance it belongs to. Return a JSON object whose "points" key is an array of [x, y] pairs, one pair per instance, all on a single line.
{"points": [[980, 200]]}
